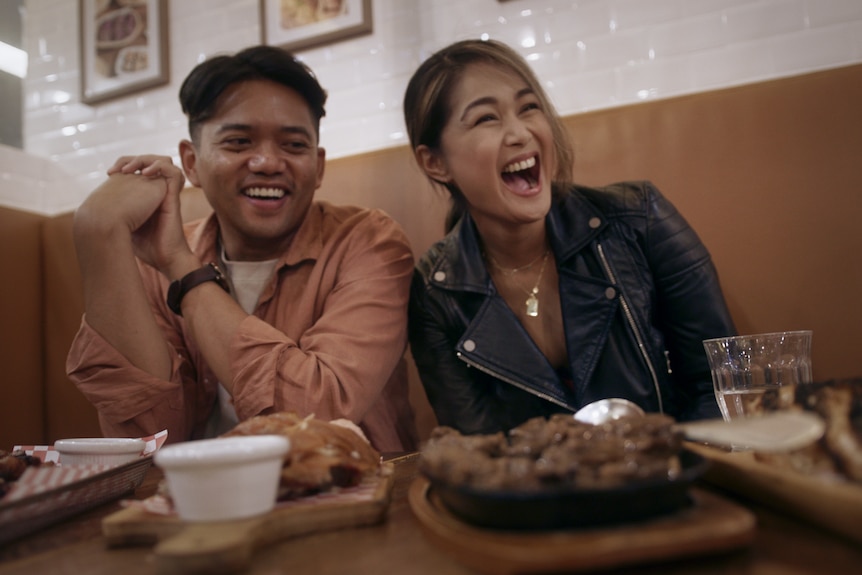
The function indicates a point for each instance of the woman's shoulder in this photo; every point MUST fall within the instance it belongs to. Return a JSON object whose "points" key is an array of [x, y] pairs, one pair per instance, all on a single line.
{"points": [[618, 197], [436, 255]]}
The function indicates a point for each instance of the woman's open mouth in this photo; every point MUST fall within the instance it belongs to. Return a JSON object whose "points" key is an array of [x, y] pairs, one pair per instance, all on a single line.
{"points": [[523, 176]]}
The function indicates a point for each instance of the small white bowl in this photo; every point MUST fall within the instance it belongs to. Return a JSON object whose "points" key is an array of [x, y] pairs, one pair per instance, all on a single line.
{"points": [[98, 450], [224, 478]]}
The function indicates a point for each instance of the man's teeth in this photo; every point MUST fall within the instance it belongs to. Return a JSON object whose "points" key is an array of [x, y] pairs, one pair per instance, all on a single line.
{"points": [[264, 192], [518, 166]]}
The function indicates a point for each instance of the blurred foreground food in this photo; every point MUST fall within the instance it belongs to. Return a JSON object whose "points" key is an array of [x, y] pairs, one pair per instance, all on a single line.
{"points": [[839, 403], [322, 454], [561, 451]]}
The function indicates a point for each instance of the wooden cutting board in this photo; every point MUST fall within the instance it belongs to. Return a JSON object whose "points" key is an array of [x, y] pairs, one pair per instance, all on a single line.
{"points": [[227, 546], [710, 525], [833, 504]]}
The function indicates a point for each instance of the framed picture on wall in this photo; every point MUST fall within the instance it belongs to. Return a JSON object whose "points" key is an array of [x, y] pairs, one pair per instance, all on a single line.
{"points": [[124, 47], [299, 24]]}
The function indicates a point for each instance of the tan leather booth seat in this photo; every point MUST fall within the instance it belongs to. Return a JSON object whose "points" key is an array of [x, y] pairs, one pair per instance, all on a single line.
{"points": [[22, 412], [767, 173]]}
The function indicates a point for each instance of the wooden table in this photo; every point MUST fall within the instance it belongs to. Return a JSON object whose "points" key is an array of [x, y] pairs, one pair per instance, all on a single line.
{"points": [[76, 546]]}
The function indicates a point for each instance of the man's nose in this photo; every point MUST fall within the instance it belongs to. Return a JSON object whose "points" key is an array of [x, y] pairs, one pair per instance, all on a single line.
{"points": [[266, 158]]}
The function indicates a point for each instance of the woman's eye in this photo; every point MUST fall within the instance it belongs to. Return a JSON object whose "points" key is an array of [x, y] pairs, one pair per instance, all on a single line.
{"points": [[485, 118]]}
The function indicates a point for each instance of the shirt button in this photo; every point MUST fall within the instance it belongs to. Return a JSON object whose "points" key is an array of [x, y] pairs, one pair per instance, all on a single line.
{"points": [[595, 222], [439, 276], [610, 293], [469, 345]]}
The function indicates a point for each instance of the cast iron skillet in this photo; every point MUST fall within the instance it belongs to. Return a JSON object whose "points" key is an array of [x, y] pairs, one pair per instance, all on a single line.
{"points": [[563, 507]]}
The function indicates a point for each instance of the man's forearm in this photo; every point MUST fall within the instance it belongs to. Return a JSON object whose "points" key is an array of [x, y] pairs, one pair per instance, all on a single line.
{"points": [[115, 301]]}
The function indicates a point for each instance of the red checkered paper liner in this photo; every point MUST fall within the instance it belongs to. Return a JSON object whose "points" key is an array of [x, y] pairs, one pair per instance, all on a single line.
{"points": [[47, 477], [48, 454], [49, 493]]}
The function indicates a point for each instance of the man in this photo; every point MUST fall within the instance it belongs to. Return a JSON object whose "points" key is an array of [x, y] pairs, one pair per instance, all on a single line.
{"points": [[274, 302]]}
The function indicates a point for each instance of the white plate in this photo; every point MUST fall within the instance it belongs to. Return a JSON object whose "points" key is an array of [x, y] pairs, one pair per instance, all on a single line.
{"points": [[99, 450]]}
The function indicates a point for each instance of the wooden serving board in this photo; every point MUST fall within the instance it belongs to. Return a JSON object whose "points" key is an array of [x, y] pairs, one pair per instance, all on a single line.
{"points": [[833, 504], [711, 525], [227, 546]]}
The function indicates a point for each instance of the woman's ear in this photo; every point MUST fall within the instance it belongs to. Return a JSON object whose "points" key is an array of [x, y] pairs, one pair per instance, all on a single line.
{"points": [[432, 164]]}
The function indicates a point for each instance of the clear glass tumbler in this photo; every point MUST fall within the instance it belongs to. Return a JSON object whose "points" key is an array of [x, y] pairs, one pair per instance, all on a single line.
{"points": [[747, 368]]}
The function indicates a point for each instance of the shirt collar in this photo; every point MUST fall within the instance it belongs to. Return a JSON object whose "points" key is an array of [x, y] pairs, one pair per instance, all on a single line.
{"points": [[307, 244]]}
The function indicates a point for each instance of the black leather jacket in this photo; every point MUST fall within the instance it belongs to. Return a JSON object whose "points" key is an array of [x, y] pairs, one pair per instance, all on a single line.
{"points": [[638, 292]]}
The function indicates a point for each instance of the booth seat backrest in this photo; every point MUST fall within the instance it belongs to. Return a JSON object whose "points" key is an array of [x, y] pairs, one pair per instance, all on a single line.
{"points": [[21, 315]]}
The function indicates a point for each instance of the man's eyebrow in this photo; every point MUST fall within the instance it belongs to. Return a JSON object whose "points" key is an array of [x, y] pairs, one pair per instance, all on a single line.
{"points": [[301, 130], [233, 127], [491, 100]]}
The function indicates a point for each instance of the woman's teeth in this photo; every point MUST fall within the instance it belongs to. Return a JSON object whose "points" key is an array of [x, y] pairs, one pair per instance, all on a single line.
{"points": [[518, 166], [265, 192]]}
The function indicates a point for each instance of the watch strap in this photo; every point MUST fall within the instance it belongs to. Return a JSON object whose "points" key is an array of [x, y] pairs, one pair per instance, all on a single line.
{"points": [[179, 288]]}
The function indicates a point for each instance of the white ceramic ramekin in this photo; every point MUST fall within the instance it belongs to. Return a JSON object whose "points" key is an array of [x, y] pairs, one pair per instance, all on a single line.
{"points": [[223, 478], [98, 450]]}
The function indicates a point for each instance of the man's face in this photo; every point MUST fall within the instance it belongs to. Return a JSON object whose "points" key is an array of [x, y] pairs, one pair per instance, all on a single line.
{"points": [[258, 163]]}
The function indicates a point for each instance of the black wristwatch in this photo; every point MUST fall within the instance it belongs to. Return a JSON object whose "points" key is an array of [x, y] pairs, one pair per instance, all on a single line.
{"points": [[179, 288]]}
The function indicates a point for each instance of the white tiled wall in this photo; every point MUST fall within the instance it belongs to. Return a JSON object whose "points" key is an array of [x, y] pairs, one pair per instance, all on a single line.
{"points": [[591, 54]]}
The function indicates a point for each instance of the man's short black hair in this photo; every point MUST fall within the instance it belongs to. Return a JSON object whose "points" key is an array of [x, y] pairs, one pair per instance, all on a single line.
{"points": [[206, 82]]}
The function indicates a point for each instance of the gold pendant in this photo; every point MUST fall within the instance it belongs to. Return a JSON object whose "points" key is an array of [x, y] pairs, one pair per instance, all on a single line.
{"points": [[533, 305]]}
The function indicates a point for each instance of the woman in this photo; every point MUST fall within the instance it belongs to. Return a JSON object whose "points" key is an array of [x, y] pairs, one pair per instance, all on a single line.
{"points": [[545, 295]]}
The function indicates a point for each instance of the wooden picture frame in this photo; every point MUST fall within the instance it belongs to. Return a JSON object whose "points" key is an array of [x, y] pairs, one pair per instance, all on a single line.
{"points": [[299, 24], [124, 47]]}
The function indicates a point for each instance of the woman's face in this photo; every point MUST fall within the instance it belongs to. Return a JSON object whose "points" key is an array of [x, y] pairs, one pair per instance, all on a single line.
{"points": [[497, 148]]}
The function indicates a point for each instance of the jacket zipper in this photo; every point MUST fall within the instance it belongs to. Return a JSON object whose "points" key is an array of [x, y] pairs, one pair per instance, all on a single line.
{"points": [[631, 321], [520, 386]]}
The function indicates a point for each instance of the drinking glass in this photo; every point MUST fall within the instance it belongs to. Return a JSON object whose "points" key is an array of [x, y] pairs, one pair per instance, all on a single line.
{"points": [[748, 371]]}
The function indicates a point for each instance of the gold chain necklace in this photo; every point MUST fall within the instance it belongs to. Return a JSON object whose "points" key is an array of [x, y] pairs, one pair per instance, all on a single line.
{"points": [[516, 270], [532, 302]]}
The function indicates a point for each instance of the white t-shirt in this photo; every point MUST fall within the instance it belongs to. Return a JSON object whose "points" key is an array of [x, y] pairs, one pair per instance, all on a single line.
{"points": [[247, 281]]}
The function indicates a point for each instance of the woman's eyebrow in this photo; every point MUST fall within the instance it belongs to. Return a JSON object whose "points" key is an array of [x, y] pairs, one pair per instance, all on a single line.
{"points": [[476, 103]]}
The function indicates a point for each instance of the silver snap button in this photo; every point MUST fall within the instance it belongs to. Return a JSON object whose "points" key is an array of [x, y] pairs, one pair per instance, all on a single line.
{"points": [[469, 345], [595, 222], [439, 276], [610, 293]]}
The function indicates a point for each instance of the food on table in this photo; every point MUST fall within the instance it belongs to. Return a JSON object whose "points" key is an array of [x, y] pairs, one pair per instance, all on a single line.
{"points": [[322, 454], [839, 403], [12, 466], [559, 451]]}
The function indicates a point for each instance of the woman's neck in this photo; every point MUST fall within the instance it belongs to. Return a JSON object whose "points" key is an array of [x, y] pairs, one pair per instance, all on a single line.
{"points": [[514, 247]]}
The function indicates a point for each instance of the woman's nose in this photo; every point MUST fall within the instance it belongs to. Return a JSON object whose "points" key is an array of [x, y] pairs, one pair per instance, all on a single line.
{"points": [[517, 132]]}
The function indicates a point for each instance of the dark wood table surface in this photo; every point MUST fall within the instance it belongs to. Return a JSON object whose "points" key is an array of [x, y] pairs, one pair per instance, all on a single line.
{"points": [[398, 545]]}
